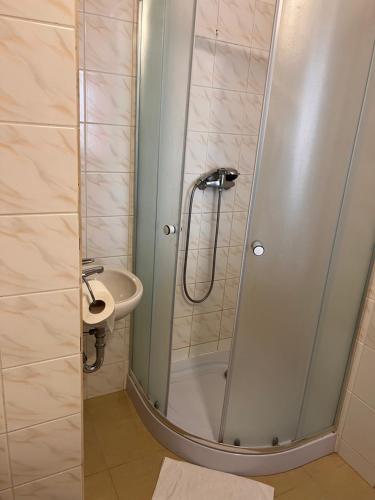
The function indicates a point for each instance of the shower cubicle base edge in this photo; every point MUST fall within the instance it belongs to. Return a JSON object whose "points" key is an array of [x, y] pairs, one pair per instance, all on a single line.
{"points": [[221, 457]]}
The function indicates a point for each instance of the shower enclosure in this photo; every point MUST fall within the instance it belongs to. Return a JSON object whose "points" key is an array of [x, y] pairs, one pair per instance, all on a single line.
{"points": [[249, 380]]}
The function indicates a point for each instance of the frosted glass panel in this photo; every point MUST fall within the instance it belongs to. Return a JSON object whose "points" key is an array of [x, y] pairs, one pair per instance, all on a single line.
{"points": [[165, 62], [302, 169]]}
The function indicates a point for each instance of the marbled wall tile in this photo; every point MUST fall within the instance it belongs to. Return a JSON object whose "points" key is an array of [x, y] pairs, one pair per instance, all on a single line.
{"points": [[195, 228], [108, 98], [226, 112], [109, 148], [223, 151], [191, 267], [238, 229], [108, 236], [189, 181], [214, 302], [121, 9], [2, 414], [108, 194], [210, 199], [56, 11], [207, 234], [45, 158], [4, 464], [232, 64], [252, 106], [183, 307], [231, 292], [235, 21], [83, 236], [234, 262], [36, 327], [82, 95], [42, 391], [180, 354], [201, 349], [81, 40], [258, 71], [203, 62], [206, 18], [228, 317], [196, 152], [45, 449], [114, 348], [122, 262], [205, 328], [6, 495], [199, 108], [62, 486], [224, 345], [39, 84], [108, 45], [47, 255], [248, 148], [110, 378], [83, 193], [263, 23], [204, 264], [368, 313], [243, 192], [181, 332]]}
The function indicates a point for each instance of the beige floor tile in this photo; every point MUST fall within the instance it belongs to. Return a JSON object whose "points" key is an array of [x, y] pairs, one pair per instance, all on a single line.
{"points": [[137, 479], [339, 480], [109, 408], [309, 490], [93, 458], [284, 482], [124, 441], [100, 487]]}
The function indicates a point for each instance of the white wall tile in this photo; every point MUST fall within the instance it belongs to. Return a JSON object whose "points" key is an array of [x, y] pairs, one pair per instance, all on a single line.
{"points": [[223, 151], [358, 430], [181, 305], [355, 460], [108, 45], [45, 158], [206, 18], [39, 84], [238, 228], [120, 9], [234, 262], [33, 450], [227, 323], [225, 345], [180, 354], [257, 71], [205, 327], [203, 62], [5, 480], [109, 98], [108, 194], [201, 349], [363, 386], [236, 18], [196, 153], [204, 264], [263, 23], [199, 108], [46, 263], [110, 378], [227, 109], [109, 148], [62, 486], [181, 332], [214, 302], [232, 64], [60, 11], [231, 292], [246, 163], [42, 391], [107, 236], [36, 327]]}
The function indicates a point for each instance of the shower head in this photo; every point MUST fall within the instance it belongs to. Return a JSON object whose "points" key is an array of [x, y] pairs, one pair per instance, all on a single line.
{"points": [[221, 178]]}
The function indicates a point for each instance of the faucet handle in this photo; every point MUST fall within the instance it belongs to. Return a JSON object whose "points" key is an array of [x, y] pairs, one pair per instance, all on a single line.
{"points": [[88, 260]]}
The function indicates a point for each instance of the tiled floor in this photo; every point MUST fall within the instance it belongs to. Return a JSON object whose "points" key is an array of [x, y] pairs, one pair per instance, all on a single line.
{"points": [[122, 461]]}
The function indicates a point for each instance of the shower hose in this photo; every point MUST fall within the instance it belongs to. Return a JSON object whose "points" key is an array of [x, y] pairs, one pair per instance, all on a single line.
{"points": [[206, 295]]}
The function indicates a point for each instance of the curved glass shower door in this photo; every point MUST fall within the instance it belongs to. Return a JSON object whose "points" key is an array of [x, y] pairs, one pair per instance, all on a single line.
{"points": [[290, 355], [164, 63]]}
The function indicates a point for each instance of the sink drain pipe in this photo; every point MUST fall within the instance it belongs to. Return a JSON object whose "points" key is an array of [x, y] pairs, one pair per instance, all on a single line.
{"points": [[100, 337]]}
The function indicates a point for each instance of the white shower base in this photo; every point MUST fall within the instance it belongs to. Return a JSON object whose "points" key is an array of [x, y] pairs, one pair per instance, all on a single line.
{"points": [[196, 395]]}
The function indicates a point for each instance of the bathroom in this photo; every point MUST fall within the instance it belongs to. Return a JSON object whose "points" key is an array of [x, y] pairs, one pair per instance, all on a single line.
{"points": [[187, 245]]}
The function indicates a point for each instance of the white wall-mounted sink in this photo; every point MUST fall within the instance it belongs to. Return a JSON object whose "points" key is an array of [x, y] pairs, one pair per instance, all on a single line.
{"points": [[125, 288]]}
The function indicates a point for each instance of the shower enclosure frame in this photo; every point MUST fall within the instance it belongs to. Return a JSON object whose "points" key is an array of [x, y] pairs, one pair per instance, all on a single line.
{"points": [[240, 460]]}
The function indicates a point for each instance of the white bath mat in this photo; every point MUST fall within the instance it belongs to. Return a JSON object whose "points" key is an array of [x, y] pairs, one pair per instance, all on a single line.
{"points": [[184, 481]]}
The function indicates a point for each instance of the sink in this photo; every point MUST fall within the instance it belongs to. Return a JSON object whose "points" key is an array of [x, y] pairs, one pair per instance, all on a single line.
{"points": [[125, 288]]}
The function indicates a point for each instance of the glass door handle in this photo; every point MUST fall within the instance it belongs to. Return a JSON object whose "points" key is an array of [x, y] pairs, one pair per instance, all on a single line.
{"points": [[257, 248]]}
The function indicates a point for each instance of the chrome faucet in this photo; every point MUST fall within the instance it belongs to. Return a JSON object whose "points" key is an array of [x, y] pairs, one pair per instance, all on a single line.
{"points": [[86, 272]]}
